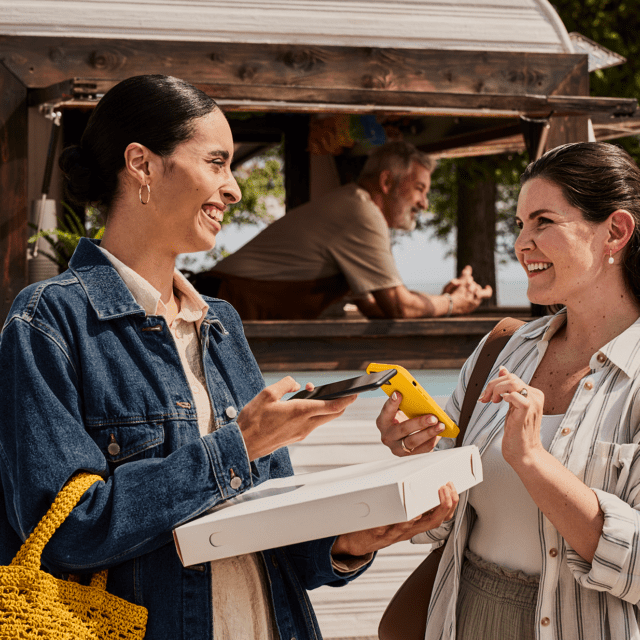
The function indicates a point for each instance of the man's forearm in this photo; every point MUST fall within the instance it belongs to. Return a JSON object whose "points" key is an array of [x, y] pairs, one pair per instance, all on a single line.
{"points": [[399, 302]]}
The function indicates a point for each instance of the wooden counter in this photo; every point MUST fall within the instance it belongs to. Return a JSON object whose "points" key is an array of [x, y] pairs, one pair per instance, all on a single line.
{"points": [[351, 344]]}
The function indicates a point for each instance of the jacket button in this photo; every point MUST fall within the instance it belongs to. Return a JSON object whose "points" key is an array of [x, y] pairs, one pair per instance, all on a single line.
{"points": [[231, 412], [601, 358], [235, 483], [553, 552], [545, 622], [113, 448], [566, 431]]}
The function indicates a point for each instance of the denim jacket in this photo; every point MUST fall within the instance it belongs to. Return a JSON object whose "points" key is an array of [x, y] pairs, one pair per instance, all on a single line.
{"points": [[90, 382]]}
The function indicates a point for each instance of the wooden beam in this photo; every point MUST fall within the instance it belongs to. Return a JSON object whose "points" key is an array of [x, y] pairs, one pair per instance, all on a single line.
{"points": [[432, 343], [44, 61], [335, 100], [472, 138], [13, 186]]}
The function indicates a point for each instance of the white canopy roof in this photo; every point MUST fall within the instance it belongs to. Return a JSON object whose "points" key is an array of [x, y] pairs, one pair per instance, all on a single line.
{"points": [[476, 25]]}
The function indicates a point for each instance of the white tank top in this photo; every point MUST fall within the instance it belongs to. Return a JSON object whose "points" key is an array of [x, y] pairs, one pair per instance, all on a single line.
{"points": [[506, 529]]}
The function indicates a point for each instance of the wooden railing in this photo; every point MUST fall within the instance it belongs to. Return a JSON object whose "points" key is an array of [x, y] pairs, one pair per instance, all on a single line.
{"points": [[351, 344]]}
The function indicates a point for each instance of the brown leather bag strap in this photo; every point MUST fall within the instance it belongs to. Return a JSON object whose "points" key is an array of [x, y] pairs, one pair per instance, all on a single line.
{"points": [[489, 353]]}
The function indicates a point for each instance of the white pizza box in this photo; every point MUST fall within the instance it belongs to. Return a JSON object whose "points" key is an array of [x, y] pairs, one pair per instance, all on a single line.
{"points": [[309, 506]]}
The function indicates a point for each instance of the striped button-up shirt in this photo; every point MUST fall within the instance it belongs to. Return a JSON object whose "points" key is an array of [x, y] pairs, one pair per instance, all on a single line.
{"points": [[598, 440]]}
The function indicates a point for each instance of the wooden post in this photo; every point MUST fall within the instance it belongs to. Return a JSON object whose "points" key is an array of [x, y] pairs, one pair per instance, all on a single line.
{"points": [[297, 176], [476, 222], [571, 128], [14, 211]]}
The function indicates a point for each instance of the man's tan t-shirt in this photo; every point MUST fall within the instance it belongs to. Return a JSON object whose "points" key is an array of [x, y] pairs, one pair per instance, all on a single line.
{"points": [[341, 232]]}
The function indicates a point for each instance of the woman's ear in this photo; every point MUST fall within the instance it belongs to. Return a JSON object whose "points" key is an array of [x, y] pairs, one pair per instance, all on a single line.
{"points": [[137, 161], [621, 228]]}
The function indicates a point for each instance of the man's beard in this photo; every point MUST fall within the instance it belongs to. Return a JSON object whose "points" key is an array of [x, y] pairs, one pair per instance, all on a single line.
{"points": [[408, 221]]}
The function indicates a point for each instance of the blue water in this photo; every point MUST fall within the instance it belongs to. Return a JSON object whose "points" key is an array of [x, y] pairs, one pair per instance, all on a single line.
{"points": [[436, 382]]}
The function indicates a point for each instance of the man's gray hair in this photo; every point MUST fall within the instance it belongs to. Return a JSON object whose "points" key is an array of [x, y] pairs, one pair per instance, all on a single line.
{"points": [[395, 157]]}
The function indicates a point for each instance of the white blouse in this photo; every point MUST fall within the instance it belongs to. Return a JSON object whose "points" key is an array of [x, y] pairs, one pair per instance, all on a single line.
{"points": [[506, 527]]}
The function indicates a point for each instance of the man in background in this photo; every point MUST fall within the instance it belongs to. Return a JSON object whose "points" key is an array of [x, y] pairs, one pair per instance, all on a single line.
{"points": [[338, 244]]}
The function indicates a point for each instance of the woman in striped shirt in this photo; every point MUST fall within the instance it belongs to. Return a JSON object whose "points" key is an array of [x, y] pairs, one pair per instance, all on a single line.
{"points": [[548, 546]]}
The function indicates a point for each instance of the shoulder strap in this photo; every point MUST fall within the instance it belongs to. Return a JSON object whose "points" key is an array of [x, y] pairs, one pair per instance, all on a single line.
{"points": [[489, 353]]}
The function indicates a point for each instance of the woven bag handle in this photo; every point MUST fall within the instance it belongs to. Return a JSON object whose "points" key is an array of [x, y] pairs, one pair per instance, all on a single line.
{"points": [[30, 552]]}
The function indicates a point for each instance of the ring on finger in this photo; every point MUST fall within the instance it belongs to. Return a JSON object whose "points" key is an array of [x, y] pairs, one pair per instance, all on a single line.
{"points": [[523, 392], [404, 446]]}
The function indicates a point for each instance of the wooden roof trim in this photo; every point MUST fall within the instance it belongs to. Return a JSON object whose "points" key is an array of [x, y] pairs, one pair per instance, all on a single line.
{"points": [[43, 61]]}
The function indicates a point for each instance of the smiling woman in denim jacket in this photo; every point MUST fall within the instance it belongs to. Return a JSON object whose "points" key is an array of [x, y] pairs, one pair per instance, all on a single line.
{"points": [[118, 367]]}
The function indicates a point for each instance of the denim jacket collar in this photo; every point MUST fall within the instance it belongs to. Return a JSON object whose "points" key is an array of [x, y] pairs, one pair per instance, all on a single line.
{"points": [[108, 294]]}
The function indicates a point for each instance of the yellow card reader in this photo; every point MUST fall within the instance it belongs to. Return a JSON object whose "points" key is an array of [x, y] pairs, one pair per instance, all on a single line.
{"points": [[415, 400]]}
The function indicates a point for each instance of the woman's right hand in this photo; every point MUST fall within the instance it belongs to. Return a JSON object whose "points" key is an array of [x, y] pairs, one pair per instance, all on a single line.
{"points": [[267, 423], [405, 437]]}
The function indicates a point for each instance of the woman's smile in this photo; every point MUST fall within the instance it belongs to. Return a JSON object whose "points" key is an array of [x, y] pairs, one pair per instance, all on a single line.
{"points": [[535, 268], [214, 214]]}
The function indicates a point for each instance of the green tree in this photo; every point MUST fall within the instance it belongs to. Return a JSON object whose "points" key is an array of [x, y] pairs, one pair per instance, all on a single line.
{"points": [[614, 24]]}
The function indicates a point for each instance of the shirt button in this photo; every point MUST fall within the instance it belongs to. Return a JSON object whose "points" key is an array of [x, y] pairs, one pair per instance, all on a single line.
{"points": [[231, 412], [553, 552], [545, 622], [566, 431], [601, 358], [235, 482], [588, 385]]}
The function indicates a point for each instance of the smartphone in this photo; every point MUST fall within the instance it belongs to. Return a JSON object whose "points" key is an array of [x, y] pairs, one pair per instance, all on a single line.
{"points": [[415, 400], [368, 382]]}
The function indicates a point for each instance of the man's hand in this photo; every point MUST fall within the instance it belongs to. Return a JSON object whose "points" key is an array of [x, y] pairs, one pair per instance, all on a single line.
{"points": [[466, 293]]}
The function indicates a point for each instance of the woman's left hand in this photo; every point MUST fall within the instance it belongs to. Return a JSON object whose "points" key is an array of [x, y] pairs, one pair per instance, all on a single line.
{"points": [[360, 543], [521, 440]]}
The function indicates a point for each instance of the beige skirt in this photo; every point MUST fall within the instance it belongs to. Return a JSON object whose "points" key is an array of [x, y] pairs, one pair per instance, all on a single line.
{"points": [[495, 602]]}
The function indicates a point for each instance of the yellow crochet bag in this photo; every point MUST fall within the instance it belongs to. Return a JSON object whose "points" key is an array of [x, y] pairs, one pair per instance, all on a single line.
{"points": [[34, 604]]}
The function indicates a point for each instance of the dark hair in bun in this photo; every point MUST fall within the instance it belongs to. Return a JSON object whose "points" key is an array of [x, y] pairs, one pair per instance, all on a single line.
{"points": [[156, 111]]}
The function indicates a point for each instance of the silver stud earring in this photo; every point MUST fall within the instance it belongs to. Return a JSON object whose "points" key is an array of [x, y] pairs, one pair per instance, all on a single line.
{"points": [[610, 257]]}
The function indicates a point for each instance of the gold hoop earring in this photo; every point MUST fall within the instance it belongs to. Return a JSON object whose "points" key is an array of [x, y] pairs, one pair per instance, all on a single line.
{"points": [[610, 257], [148, 194]]}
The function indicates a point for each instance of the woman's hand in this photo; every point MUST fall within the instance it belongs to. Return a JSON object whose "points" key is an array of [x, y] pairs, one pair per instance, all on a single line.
{"points": [[521, 440], [267, 423], [360, 543], [404, 437]]}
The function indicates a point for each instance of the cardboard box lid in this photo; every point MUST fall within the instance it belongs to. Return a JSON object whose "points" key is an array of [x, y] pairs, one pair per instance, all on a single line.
{"points": [[331, 502]]}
